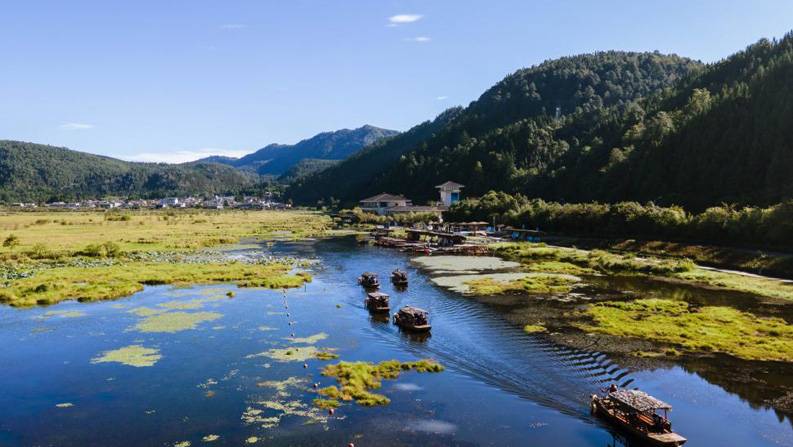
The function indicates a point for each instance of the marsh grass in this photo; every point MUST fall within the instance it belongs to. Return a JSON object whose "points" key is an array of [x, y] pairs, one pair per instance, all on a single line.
{"points": [[53, 285], [530, 283], [689, 328], [133, 355], [357, 379]]}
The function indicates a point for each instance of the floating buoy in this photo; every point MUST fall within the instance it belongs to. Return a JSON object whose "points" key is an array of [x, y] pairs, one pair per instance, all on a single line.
{"points": [[351, 445], [305, 365], [331, 411], [316, 385]]}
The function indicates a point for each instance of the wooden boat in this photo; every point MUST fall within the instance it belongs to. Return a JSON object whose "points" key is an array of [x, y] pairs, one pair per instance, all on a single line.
{"points": [[369, 280], [636, 412], [412, 319], [377, 302], [399, 278]]}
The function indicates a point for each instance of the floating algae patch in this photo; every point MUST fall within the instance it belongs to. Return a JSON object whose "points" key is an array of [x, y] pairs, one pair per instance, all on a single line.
{"points": [[294, 354], [252, 440], [64, 314], [273, 411], [534, 329], [195, 303], [531, 283], [182, 444], [695, 329], [145, 311], [357, 379], [463, 264], [133, 355], [64, 405], [210, 438], [282, 386], [175, 321], [310, 340]]}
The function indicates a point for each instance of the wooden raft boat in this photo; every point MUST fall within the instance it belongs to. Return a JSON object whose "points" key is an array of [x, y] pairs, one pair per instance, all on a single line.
{"points": [[636, 412], [377, 302], [369, 280], [413, 319]]}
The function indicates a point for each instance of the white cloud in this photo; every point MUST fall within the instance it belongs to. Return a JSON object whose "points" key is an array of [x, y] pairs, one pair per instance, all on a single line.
{"points": [[183, 155], [233, 26], [441, 98], [418, 39], [75, 126], [401, 19]]}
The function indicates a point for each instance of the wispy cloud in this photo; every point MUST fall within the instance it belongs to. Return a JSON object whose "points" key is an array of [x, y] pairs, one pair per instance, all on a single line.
{"points": [[418, 39], [233, 26], [75, 126], [441, 98], [184, 155], [401, 19]]}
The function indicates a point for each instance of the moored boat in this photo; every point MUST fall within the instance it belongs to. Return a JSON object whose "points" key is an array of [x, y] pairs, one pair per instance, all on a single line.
{"points": [[399, 278], [369, 280], [636, 412], [412, 319], [377, 302]]}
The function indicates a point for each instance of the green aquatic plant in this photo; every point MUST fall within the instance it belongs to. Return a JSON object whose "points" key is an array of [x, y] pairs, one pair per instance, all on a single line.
{"points": [[694, 329], [133, 355], [357, 379], [326, 404], [65, 313], [175, 321], [210, 438], [310, 340], [296, 354], [534, 329]]}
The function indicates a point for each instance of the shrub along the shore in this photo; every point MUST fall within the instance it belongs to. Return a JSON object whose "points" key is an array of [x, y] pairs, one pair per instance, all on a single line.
{"points": [[769, 226]]}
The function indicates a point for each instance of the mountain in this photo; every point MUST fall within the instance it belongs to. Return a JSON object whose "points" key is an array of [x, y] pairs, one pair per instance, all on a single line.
{"points": [[36, 172], [507, 136], [721, 136], [277, 159], [358, 175]]}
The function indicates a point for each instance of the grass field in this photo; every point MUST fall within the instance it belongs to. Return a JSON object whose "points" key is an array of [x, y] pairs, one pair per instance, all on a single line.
{"points": [[49, 257]]}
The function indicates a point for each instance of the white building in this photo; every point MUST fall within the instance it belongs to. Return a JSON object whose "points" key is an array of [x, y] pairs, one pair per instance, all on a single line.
{"points": [[450, 193], [381, 203]]}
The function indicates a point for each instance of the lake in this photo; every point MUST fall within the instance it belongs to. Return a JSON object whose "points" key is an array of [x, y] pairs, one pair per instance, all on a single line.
{"points": [[208, 370]]}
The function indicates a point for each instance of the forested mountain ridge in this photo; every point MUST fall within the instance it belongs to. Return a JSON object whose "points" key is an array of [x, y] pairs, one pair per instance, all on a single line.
{"points": [[722, 136], [508, 134], [37, 172], [277, 159]]}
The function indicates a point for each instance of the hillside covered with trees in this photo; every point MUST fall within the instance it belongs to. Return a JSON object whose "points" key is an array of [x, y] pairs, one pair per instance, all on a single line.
{"points": [[509, 134], [36, 172]]}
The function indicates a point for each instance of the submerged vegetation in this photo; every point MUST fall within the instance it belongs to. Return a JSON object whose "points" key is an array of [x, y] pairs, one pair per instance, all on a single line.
{"points": [[133, 355], [357, 379], [171, 322], [707, 329], [92, 256]]}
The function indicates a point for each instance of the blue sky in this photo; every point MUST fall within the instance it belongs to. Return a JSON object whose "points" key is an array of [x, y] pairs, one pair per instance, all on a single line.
{"points": [[174, 80]]}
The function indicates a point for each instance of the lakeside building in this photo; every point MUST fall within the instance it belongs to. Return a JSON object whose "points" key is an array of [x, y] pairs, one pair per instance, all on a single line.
{"points": [[386, 204]]}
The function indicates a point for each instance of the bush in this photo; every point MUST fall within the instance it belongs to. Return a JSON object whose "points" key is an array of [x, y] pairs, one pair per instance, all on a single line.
{"points": [[103, 250], [11, 241]]}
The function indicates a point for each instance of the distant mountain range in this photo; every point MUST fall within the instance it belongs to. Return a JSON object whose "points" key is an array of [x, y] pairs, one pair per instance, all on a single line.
{"points": [[37, 172], [307, 156]]}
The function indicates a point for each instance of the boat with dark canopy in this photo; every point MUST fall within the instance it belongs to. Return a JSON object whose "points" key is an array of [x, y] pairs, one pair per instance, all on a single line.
{"points": [[636, 412], [369, 280], [413, 319], [377, 302], [399, 278]]}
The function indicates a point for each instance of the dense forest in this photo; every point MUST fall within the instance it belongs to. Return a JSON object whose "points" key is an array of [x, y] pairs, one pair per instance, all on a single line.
{"points": [[35, 172], [608, 127], [276, 160]]}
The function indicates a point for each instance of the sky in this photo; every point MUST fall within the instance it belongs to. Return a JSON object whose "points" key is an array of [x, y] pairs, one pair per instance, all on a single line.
{"points": [[174, 80]]}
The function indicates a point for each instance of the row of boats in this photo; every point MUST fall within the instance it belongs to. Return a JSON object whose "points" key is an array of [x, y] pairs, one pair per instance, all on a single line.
{"points": [[408, 318], [633, 411]]}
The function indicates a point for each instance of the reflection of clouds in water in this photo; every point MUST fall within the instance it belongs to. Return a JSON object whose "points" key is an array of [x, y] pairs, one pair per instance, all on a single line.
{"points": [[407, 387], [433, 426]]}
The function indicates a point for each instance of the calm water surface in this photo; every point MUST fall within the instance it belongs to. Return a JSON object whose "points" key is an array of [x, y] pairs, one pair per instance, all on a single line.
{"points": [[501, 387]]}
